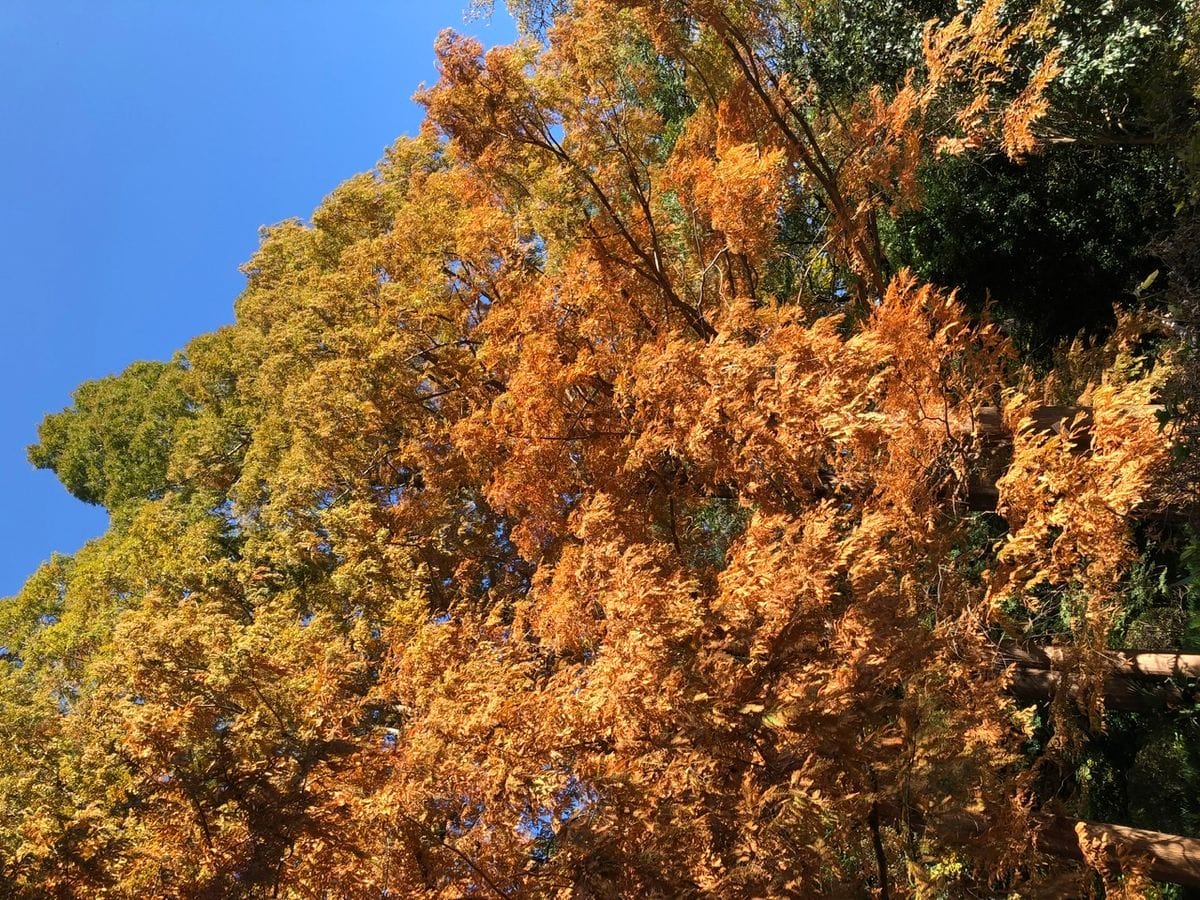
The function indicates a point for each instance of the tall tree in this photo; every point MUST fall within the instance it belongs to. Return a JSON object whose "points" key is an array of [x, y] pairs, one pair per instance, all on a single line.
{"points": [[580, 504]]}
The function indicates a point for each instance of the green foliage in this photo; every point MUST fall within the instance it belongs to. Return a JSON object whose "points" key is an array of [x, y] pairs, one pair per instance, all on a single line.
{"points": [[113, 445], [1160, 606], [846, 46], [1053, 243], [533, 17], [712, 528], [1124, 69], [669, 96], [977, 546], [1144, 771], [1163, 783]]}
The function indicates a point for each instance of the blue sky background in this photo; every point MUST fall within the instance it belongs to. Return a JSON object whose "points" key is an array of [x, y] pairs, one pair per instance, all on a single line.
{"points": [[145, 142]]}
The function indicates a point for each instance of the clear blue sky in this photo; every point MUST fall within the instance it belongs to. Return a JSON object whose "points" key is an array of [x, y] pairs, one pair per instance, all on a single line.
{"points": [[145, 142]]}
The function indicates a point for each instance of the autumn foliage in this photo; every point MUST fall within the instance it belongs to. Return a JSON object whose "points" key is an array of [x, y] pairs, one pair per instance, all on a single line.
{"points": [[579, 506]]}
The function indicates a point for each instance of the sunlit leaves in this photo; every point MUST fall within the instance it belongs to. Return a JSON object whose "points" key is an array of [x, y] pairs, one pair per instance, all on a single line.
{"points": [[524, 537]]}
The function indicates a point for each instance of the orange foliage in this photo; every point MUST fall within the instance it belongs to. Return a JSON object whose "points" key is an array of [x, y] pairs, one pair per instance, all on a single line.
{"points": [[553, 553]]}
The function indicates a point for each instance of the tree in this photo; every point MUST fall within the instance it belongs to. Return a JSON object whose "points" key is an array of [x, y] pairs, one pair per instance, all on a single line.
{"points": [[579, 504], [113, 445]]}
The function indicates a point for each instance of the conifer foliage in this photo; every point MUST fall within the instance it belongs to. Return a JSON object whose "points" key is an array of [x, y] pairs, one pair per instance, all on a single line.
{"points": [[580, 505]]}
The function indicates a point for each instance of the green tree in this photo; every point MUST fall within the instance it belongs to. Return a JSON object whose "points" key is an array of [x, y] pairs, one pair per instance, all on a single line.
{"points": [[113, 445]]}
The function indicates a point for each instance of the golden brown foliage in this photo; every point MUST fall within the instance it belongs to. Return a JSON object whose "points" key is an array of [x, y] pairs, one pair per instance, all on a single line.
{"points": [[524, 542]]}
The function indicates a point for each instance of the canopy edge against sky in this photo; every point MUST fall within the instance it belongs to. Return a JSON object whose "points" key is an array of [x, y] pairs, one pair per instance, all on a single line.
{"points": [[146, 144]]}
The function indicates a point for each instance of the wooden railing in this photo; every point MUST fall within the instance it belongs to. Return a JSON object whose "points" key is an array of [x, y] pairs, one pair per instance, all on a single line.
{"points": [[1135, 680]]}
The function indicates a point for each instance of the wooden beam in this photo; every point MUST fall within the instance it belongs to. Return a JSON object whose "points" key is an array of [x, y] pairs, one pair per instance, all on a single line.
{"points": [[1129, 694], [1163, 857], [1125, 663], [995, 441]]}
